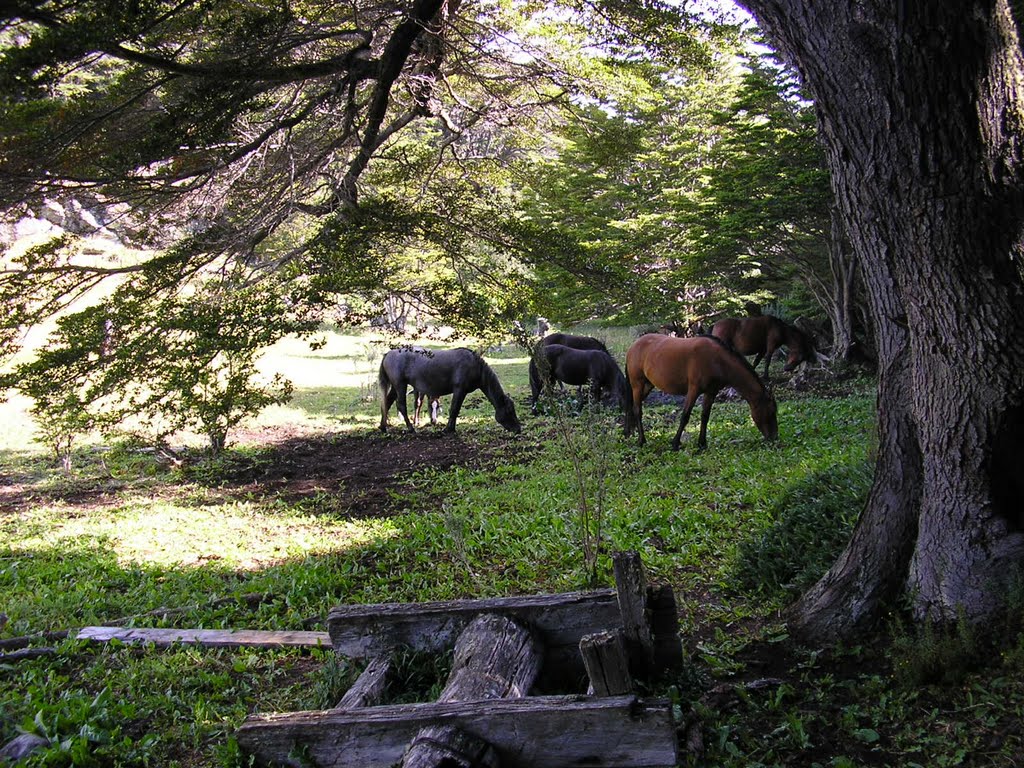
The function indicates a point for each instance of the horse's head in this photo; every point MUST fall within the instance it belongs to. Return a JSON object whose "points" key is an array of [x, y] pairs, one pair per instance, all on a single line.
{"points": [[794, 358], [801, 348], [764, 411], [505, 414]]}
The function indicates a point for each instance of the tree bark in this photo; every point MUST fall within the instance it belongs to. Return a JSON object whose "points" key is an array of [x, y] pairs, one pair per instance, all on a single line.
{"points": [[920, 107], [843, 265]]}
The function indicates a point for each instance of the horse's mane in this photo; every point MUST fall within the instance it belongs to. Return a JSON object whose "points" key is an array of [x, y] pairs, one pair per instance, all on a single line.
{"points": [[489, 382], [743, 361]]}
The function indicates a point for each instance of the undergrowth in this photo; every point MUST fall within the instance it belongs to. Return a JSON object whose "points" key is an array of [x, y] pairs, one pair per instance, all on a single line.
{"points": [[737, 530]]}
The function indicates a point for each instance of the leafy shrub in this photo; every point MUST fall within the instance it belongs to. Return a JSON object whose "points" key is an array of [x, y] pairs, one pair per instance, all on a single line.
{"points": [[158, 365]]}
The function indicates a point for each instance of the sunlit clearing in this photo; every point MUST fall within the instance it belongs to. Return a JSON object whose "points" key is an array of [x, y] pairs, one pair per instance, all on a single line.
{"points": [[235, 536]]}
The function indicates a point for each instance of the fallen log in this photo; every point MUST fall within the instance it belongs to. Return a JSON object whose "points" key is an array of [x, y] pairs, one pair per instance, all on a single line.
{"points": [[495, 658], [369, 688]]}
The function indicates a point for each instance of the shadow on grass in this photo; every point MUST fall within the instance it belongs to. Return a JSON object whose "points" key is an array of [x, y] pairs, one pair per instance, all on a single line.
{"points": [[813, 521]]}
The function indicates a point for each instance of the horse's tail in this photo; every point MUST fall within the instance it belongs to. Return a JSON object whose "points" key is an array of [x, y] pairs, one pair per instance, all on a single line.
{"points": [[383, 386], [535, 382], [626, 397]]}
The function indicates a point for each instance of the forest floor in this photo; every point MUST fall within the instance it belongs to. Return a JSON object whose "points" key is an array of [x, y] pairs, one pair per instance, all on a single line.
{"points": [[749, 695]]}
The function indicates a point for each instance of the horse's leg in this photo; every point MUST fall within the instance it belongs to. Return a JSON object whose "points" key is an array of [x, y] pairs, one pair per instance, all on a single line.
{"points": [[435, 409], [691, 399], [641, 389], [705, 414], [535, 384], [403, 406], [457, 397], [416, 405], [385, 405], [769, 353]]}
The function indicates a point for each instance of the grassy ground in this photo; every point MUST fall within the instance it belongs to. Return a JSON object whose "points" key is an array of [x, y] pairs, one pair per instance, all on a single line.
{"points": [[258, 539]]}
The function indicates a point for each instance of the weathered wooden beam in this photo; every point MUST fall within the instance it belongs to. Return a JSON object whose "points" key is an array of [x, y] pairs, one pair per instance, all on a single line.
{"points": [[216, 638], [607, 663], [495, 657], [631, 589], [531, 732], [560, 621], [25, 654], [370, 687]]}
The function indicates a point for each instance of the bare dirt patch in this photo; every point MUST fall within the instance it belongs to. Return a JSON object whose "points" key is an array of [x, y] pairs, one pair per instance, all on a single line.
{"points": [[361, 474]]}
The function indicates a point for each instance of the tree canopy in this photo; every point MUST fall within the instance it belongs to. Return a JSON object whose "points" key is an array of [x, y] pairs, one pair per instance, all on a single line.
{"points": [[348, 159]]}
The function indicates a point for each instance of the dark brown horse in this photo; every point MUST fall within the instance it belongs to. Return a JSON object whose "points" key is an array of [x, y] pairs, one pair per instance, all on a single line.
{"points": [[573, 341], [761, 336], [701, 365]]}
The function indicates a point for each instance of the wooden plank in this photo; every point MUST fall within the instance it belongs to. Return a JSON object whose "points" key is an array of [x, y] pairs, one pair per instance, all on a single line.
{"points": [[560, 621], [631, 584], [531, 732], [215, 638], [361, 631]]}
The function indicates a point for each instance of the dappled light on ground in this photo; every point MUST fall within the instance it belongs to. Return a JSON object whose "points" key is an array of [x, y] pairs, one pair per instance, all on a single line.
{"points": [[237, 536]]}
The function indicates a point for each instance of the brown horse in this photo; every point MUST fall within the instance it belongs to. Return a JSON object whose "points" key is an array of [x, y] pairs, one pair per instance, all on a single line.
{"points": [[694, 366], [761, 336]]}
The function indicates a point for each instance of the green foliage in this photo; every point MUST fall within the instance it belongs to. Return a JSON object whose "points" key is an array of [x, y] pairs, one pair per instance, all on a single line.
{"points": [[159, 364], [942, 654], [86, 731], [587, 436], [709, 192], [947, 653]]}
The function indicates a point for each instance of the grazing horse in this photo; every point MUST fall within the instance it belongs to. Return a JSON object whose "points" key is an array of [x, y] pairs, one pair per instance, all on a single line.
{"points": [[455, 372], [555, 362], [761, 335], [691, 367], [575, 342]]}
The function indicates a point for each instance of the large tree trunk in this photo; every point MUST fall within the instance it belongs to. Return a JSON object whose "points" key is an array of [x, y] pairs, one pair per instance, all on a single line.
{"points": [[920, 106]]}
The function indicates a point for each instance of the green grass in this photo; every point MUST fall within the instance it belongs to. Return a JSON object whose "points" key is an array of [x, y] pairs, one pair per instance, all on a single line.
{"points": [[737, 530]]}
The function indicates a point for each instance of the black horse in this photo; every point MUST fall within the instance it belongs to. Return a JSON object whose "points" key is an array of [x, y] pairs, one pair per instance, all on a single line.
{"points": [[455, 372], [574, 341], [555, 362]]}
